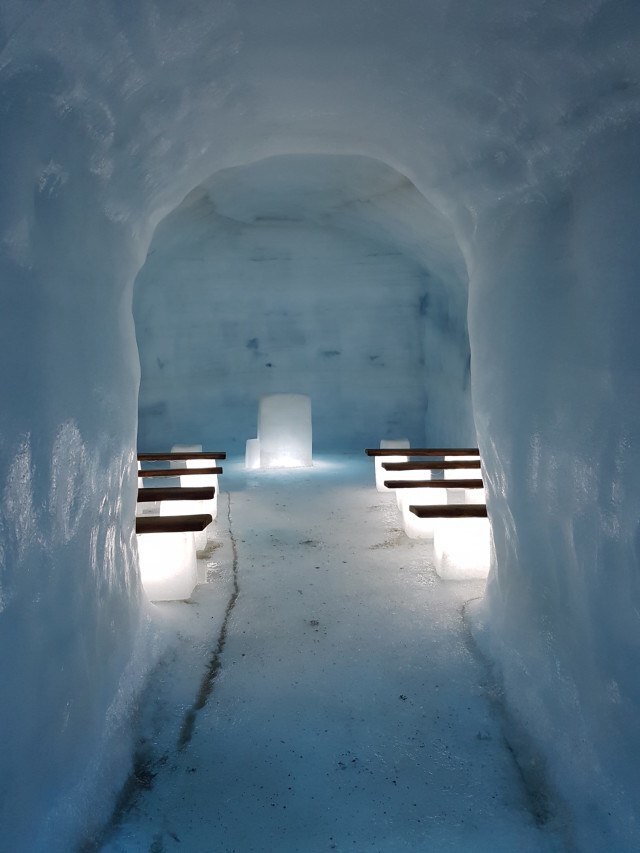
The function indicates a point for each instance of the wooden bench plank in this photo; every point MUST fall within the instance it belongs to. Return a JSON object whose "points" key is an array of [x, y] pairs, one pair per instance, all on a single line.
{"points": [[177, 472], [190, 493], [430, 466], [423, 451], [172, 523], [180, 457], [434, 484], [450, 511]]}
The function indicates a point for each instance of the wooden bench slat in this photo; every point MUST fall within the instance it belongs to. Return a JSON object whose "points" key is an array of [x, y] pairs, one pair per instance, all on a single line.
{"points": [[172, 523], [177, 472], [450, 511], [423, 451], [189, 493], [181, 456], [434, 484], [430, 466]]}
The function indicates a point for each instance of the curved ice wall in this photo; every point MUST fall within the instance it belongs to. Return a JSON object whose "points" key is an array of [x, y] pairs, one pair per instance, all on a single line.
{"points": [[329, 276], [518, 121]]}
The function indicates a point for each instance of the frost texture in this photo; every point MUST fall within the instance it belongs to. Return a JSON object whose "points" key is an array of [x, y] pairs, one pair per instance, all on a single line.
{"points": [[518, 121]]}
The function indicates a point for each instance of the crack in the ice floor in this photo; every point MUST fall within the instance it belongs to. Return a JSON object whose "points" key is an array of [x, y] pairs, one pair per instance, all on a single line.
{"points": [[215, 664]]}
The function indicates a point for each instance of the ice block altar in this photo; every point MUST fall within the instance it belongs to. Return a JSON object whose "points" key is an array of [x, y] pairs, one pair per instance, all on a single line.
{"points": [[284, 431]]}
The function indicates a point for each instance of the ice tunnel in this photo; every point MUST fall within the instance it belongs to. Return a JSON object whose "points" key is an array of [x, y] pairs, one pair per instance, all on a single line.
{"points": [[507, 134]]}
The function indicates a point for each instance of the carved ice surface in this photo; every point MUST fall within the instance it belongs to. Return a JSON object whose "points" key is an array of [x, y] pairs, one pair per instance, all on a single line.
{"points": [[284, 431]]}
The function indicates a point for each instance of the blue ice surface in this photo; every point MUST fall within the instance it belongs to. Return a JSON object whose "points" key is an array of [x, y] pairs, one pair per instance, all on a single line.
{"points": [[350, 711]]}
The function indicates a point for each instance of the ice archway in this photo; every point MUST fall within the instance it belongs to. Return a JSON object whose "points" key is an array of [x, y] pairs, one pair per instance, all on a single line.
{"points": [[326, 275], [519, 122]]}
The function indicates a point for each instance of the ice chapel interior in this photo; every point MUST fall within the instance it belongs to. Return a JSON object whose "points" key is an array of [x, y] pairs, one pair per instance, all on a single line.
{"points": [[319, 521]]}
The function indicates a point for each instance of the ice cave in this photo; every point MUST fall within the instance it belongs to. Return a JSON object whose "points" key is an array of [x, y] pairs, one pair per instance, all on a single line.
{"points": [[418, 221]]}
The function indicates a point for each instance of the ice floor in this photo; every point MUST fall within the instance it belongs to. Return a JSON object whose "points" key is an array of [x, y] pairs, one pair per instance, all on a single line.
{"points": [[342, 704]]}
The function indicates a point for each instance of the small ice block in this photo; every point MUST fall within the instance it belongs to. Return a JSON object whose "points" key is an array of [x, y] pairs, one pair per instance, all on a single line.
{"points": [[168, 567], [388, 444]]}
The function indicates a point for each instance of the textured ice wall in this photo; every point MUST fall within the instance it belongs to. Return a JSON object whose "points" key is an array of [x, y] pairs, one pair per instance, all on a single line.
{"points": [[518, 119], [299, 274]]}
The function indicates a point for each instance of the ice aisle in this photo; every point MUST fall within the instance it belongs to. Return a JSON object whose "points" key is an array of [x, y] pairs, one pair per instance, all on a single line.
{"points": [[348, 712]]}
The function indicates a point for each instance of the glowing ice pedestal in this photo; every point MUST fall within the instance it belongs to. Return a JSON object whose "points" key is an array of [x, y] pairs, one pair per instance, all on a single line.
{"points": [[414, 527], [462, 548], [168, 566], [252, 454], [381, 474], [284, 431]]}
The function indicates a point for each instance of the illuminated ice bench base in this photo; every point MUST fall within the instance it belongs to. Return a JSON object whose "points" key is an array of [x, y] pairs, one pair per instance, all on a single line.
{"points": [[167, 555], [462, 548], [284, 431]]}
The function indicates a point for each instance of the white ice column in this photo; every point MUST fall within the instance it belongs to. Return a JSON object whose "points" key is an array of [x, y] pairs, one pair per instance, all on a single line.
{"points": [[381, 474], [284, 431]]}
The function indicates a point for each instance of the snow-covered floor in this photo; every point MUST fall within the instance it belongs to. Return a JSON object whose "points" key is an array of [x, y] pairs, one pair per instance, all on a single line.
{"points": [[334, 703]]}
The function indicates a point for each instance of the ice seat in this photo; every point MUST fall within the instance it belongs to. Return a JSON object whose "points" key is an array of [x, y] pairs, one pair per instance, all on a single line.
{"points": [[414, 527], [462, 548]]}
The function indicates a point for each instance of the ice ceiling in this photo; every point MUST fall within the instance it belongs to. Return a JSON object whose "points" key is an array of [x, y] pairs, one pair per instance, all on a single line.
{"points": [[517, 120]]}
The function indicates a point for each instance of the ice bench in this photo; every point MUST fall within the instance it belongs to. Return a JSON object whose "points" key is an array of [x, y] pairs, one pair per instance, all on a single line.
{"points": [[176, 503], [145, 473], [197, 493], [398, 450], [423, 451], [167, 554], [182, 456], [432, 509]]}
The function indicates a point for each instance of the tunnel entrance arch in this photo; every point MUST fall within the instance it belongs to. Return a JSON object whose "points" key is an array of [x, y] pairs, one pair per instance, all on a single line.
{"points": [[329, 275]]}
